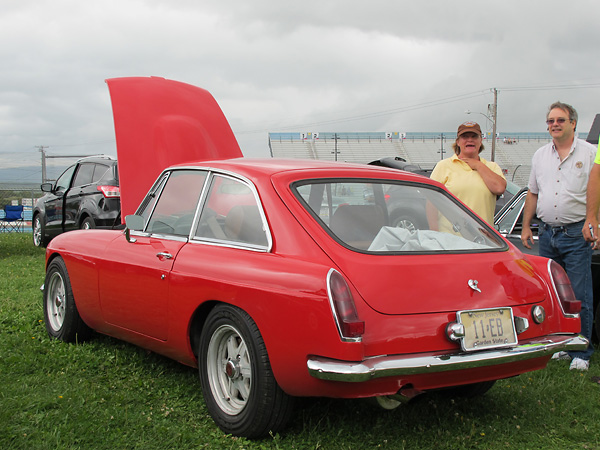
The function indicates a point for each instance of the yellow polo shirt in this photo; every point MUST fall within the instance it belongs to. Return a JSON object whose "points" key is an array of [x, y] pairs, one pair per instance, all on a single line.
{"points": [[597, 160], [466, 184]]}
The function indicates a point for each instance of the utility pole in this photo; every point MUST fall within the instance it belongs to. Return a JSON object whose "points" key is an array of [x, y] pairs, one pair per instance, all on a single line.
{"points": [[494, 114], [43, 152], [335, 148]]}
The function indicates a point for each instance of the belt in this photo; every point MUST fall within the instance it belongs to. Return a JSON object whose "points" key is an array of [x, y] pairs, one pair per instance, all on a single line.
{"points": [[563, 227]]}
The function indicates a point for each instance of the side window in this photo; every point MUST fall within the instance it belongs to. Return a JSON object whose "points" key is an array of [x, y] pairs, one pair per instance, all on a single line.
{"points": [[64, 181], [101, 171], [84, 175], [176, 206], [231, 213]]}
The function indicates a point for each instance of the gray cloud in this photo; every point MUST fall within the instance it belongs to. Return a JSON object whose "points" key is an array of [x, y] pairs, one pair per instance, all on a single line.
{"points": [[304, 66]]}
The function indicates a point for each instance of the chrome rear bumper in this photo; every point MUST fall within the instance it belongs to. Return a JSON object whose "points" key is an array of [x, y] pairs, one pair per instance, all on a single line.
{"points": [[402, 365]]}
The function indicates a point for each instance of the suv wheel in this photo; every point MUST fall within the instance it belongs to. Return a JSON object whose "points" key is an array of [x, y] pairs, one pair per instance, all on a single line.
{"points": [[39, 231], [87, 224]]}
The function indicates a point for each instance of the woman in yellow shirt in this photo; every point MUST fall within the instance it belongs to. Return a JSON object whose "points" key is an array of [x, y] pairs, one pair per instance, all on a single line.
{"points": [[475, 181]]}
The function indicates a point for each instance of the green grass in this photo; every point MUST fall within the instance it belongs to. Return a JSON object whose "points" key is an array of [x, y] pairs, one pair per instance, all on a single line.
{"points": [[106, 394]]}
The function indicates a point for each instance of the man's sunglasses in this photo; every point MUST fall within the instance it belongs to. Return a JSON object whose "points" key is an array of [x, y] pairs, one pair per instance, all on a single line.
{"points": [[559, 120]]}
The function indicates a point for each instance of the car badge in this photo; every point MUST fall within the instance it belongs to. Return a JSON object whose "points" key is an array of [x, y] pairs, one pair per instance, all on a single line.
{"points": [[473, 285]]}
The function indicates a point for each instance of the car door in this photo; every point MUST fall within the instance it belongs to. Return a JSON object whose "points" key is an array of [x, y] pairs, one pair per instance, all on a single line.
{"points": [[54, 203], [75, 196], [134, 280]]}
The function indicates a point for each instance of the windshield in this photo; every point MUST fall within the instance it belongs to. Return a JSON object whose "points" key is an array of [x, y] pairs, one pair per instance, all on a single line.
{"points": [[387, 217]]}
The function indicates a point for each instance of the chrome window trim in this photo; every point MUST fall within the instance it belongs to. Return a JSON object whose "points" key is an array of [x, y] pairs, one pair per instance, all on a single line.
{"points": [[212, 174], [160, 183], [167, 237], [229, 244], [507, 211]]}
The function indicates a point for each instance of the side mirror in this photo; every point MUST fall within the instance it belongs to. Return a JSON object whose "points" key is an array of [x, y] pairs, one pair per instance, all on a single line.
{"points": [[133, 222], [46, 187]]}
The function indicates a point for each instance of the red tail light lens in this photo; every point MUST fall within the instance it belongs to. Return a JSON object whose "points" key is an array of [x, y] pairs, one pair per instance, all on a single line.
{"points": [[562, 285], [350, 327], [110, 191]]}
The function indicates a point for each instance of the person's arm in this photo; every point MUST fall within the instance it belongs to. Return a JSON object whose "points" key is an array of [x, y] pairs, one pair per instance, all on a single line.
{"points": [[494, 182], [592, 205], [528, 213]]}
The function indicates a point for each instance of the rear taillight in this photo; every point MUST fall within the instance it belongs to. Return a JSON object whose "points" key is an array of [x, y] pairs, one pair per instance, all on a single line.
{"points": [[110, 191], [350, 327], [564, 291]]}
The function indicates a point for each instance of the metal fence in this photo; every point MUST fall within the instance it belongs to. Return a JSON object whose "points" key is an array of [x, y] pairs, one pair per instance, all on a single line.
{"points": [[20, 194]]}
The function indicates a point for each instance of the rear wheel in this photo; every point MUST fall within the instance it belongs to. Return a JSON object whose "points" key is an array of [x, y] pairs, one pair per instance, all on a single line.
{"points": [[60, 312], [88, 224], [238, 385]]}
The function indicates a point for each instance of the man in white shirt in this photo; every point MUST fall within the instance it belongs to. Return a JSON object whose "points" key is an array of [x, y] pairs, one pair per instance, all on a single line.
{"points": [[557, 193]]}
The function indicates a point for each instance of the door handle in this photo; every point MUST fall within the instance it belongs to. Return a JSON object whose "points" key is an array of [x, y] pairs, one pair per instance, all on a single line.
{"points": [[164, 255]]}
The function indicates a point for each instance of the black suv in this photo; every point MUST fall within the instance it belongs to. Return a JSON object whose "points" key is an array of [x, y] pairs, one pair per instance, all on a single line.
{"points": [[85, 196]]}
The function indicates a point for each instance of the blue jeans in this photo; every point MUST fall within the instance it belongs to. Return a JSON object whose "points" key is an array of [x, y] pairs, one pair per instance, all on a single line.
{"points": [[566, 246]]}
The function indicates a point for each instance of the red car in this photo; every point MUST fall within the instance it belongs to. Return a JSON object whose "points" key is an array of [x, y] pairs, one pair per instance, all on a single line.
{"points": [[285, 278]]}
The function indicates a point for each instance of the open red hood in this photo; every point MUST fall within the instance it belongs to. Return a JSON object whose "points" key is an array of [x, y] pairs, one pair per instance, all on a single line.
{"points": [[159, 123]]}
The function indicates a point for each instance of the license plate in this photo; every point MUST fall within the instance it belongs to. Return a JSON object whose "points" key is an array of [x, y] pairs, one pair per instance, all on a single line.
{"points": [[487, 328]]}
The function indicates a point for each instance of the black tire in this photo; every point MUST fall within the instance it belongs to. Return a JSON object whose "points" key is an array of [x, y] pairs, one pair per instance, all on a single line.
{"points": [[39, 231], [88, 224], [238, 385], [471, 390], [60, 312]]}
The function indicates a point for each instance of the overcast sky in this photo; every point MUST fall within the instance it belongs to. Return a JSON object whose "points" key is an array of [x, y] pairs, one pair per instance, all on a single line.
{"points": [[293, 66]]}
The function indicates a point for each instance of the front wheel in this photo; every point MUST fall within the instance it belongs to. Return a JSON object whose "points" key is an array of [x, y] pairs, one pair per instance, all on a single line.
{"points": [[60, 312], [238, 385], [39, 238]]}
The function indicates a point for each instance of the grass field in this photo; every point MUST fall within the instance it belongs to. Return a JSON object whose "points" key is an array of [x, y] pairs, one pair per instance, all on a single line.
{"points": [[105, 394]]}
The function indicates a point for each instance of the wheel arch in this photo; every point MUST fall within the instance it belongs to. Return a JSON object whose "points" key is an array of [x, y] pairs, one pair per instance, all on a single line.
{"points": [[51, 258], [198, 320], [84, 215]]}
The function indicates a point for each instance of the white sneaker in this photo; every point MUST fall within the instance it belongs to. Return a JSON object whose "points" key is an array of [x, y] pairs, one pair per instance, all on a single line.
{"points": [[579, 364], [560, 356]]}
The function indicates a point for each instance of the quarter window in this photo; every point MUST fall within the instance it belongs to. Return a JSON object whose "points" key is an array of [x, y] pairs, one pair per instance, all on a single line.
{"points": [[84, 175], [231, 213], [101, 172]]}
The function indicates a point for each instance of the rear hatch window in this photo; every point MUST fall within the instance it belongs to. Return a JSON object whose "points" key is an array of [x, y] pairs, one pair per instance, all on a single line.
{"points": [[386, 217]]}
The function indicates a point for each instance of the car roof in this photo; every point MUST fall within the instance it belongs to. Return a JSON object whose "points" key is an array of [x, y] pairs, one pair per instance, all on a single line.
{"points": [[98, 159], [256, 168]]}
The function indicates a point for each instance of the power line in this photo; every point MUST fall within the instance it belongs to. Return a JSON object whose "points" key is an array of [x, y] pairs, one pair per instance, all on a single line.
{"points": [[422, 105]]}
